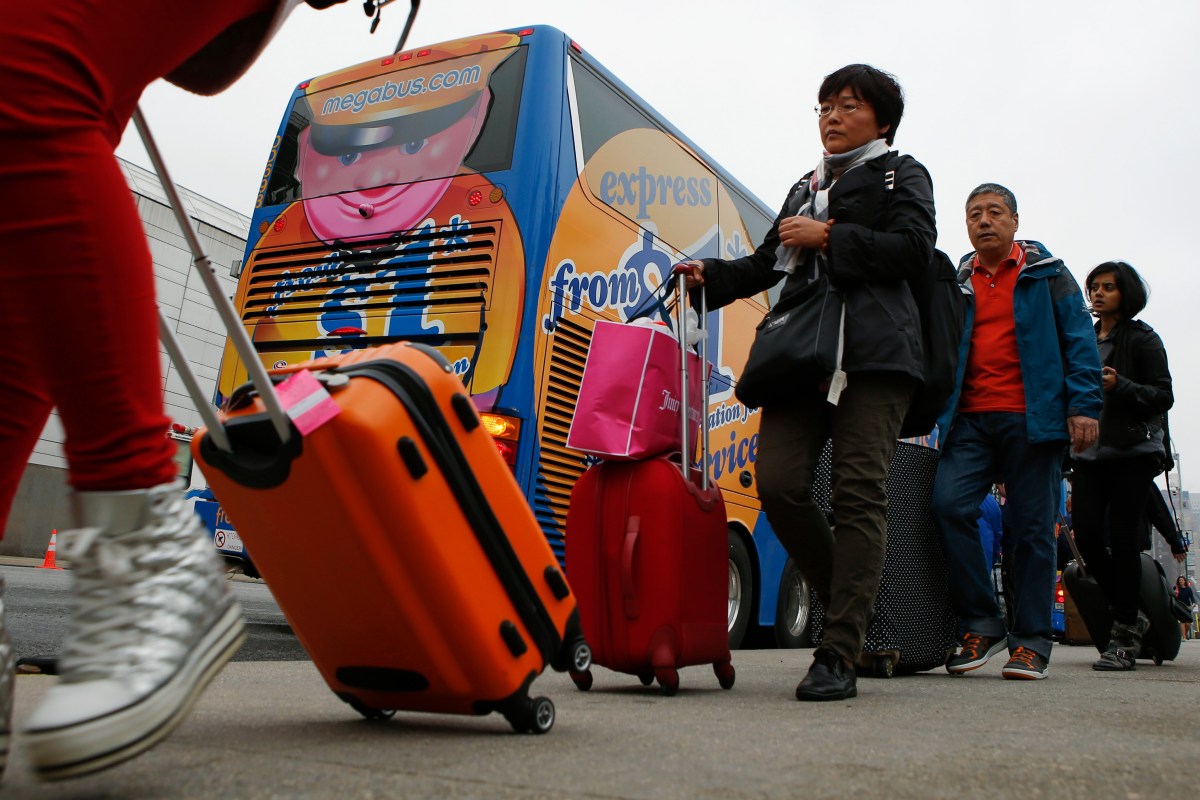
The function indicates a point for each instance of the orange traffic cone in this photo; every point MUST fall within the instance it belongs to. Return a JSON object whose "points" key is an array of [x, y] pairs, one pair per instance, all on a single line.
{"points": [[49, 563]]}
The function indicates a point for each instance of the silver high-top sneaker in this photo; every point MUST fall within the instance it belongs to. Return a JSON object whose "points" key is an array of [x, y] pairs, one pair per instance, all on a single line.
{"points": [[7, 670], [152, 621]]}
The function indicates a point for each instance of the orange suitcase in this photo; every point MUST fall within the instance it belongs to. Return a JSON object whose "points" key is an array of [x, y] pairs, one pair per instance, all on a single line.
{"points": [[398, 544], [393, 536]]}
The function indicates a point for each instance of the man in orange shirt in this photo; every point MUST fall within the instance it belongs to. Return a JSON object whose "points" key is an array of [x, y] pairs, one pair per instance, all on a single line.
{"points": [[1029, 382]]}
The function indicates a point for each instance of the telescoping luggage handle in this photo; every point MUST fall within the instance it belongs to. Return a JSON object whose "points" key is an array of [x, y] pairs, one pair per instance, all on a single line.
{"points": [[1063, 530], [237, 333], [681, 309]]}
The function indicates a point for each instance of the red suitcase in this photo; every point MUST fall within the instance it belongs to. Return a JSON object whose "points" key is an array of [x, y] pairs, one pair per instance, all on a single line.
{"points": [[647, 554], [394, 537]]}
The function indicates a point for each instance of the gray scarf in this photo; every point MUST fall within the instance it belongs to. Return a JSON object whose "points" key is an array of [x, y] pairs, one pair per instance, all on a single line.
{"points": [[813, 195]]}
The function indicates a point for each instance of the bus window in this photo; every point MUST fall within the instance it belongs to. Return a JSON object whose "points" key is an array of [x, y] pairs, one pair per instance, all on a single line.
{"points": [[283, 186], [638, 169], [602, 112]]}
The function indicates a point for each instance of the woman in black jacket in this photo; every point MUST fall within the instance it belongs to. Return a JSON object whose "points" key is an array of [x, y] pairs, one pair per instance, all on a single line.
{"points": [[1187, 596], [865, 216], [1111, 476]]}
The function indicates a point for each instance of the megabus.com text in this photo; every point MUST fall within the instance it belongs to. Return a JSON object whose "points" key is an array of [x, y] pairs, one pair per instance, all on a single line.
{"points": [[355, 102]]}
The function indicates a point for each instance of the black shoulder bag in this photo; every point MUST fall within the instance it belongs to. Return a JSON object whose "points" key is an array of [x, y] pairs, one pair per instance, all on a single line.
{"points": [[797, 346]]}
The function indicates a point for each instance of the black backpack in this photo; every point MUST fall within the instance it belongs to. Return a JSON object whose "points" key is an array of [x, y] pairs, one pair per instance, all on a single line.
{"points": [[943, 310]]}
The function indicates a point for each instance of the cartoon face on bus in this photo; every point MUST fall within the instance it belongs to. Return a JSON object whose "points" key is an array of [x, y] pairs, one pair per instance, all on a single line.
{"points": [[387, 173]]}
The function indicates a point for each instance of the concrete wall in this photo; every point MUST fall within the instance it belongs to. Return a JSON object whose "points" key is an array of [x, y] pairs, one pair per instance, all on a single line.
{"points": [[41, 502], [40, 507]]}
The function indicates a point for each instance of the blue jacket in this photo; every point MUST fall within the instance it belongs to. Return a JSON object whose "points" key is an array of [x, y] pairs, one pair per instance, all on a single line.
{"points": [[1060, 366]]}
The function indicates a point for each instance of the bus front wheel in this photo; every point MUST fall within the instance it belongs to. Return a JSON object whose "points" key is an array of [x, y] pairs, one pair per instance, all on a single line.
{"points": [[741, 590]]}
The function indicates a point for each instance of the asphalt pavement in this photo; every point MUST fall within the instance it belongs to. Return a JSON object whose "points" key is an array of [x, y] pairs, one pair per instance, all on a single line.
{"points": [[273, 730]]}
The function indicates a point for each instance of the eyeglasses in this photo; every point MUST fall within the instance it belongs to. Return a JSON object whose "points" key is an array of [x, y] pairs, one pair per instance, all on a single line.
{"points": [[848, 107]]}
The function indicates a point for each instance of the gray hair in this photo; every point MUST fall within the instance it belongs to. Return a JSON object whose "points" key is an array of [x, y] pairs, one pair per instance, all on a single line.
{"points": [[1009, 199]]}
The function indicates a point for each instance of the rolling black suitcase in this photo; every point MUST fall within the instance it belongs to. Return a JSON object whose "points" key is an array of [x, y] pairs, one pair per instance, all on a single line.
{"points": [[914, 625], [1161, 641]]}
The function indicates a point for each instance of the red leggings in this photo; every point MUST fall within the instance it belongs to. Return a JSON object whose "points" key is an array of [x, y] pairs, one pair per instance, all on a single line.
{"points": [[78, 325]]}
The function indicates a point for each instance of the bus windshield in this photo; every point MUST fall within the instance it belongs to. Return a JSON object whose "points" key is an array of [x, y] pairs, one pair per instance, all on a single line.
{"points": [[423, 123]]}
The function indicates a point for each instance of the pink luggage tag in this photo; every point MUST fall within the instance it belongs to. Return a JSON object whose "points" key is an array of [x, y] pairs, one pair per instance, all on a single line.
{"points": [[306, 401]]}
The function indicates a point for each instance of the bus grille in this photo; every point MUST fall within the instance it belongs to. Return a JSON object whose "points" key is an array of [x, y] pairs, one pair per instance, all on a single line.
{"points": [[558, 467], [408, 272]]}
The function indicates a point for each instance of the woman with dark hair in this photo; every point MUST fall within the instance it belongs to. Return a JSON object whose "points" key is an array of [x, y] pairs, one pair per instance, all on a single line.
{"points": [[1111, 476], [864, 217], [1187, 596]]}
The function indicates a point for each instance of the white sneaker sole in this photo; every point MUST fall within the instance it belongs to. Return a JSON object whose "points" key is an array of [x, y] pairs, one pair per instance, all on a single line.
{"points": [[92, 745]]}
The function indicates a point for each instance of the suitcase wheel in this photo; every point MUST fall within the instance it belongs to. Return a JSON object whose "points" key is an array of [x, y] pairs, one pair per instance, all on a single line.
{"points": [[371, 713], [574, 656], [583, 680], [726, 674], [884, 666], [668, 680], [537, 716], [646, 678], [581, 656], [878, 665]]}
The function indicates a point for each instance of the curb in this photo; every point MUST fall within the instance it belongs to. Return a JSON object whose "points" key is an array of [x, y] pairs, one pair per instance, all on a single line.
{"points": [[18, 561]]}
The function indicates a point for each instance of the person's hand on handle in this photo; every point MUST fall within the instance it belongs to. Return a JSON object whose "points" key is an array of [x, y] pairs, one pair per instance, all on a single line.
{"points": [[1083, 431], [694, 270]]}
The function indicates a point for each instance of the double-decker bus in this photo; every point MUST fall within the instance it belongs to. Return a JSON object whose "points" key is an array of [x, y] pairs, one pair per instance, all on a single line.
{"points": [[494, 197]]}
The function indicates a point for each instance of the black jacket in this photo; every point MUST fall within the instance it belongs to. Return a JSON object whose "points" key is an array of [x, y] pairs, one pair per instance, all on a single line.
{"points": [[883, 234], [1134, 409]]}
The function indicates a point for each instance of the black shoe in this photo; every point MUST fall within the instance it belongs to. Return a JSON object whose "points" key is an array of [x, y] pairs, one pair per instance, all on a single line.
{"points": [[829, 678], [1124, 646]]}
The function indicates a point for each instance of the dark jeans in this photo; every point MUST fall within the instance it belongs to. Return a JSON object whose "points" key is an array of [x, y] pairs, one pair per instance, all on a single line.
{"points": [[1108, 502], [980, 447], [842, 564]]}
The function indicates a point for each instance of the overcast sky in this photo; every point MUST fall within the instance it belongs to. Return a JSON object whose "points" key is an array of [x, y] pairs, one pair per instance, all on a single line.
{"points": [[1083, 109]]}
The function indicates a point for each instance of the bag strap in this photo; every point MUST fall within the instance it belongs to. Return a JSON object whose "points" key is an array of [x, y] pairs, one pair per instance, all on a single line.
{"points": [[659, 295], [837, 383], [1168, 447]]}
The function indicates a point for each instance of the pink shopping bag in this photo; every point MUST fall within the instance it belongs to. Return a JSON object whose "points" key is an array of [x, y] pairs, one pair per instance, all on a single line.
{"points": [[629, 399]]}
